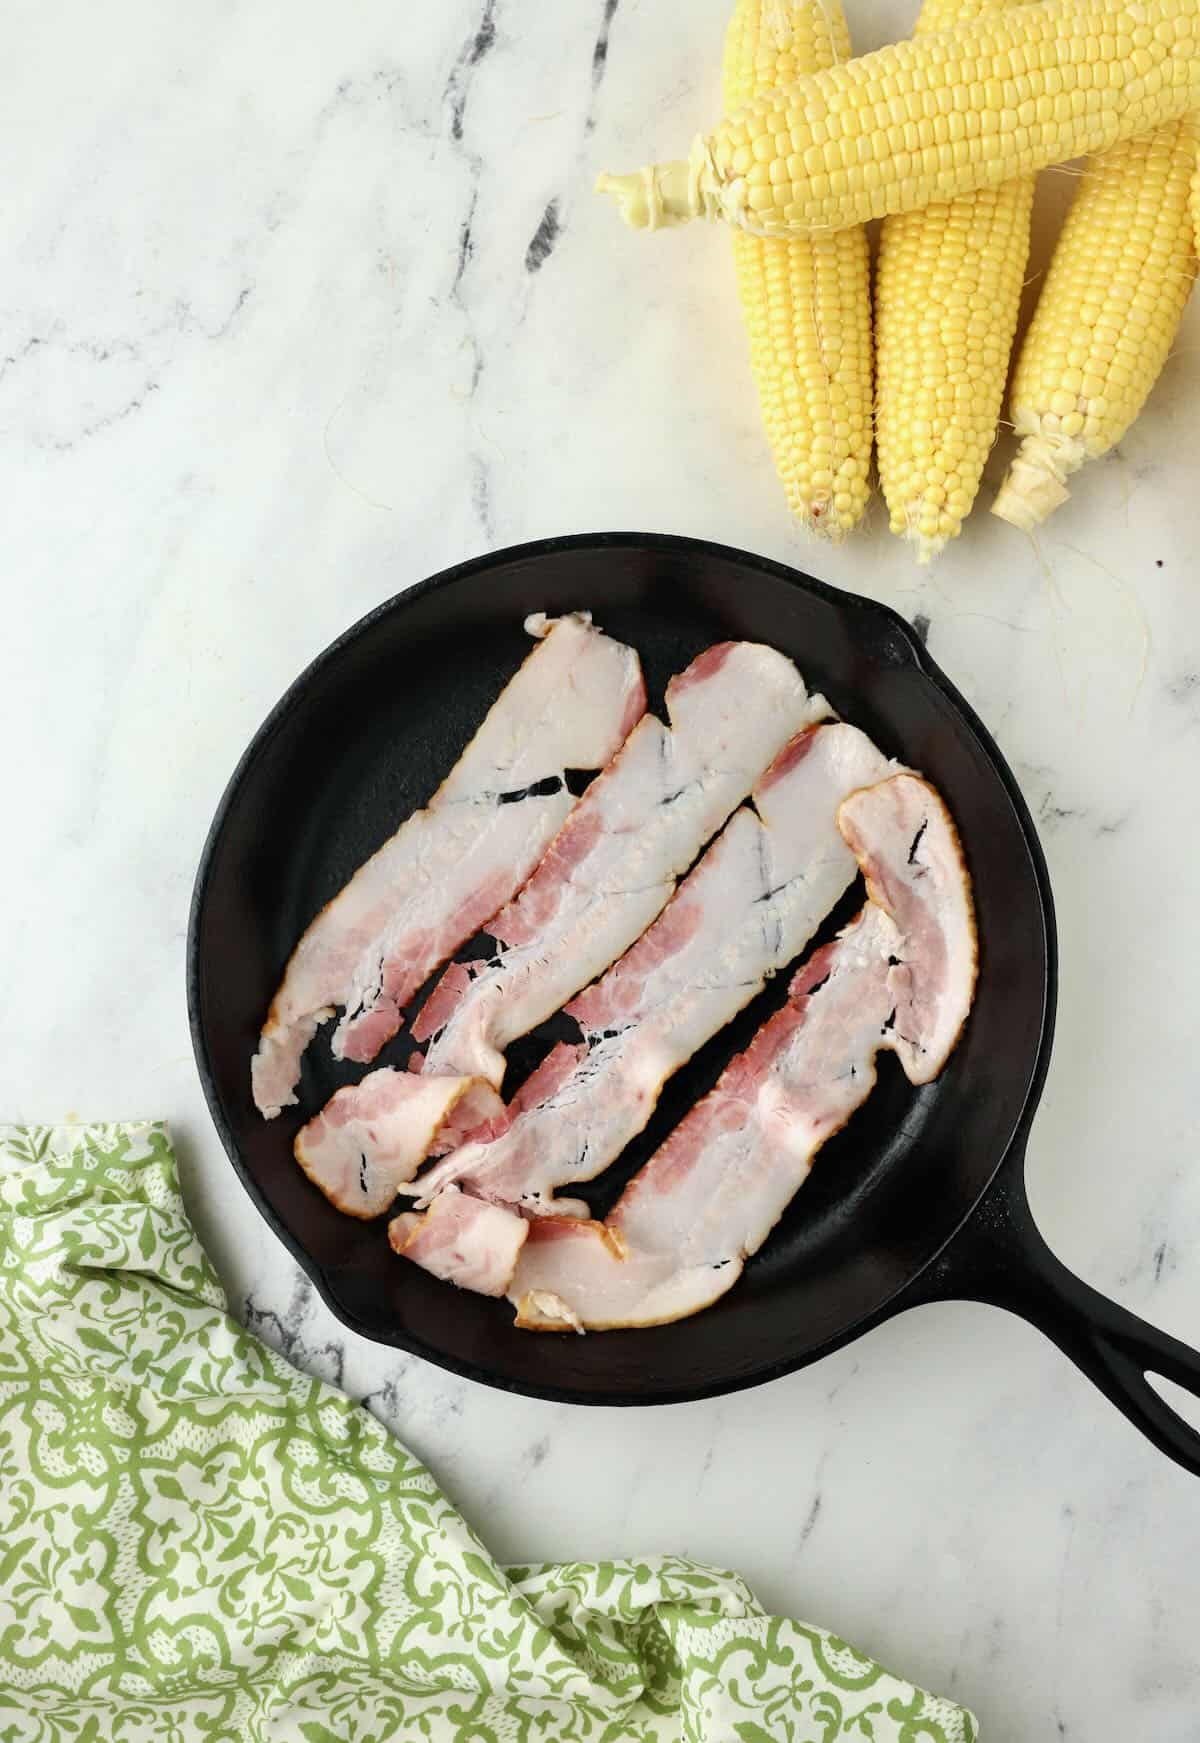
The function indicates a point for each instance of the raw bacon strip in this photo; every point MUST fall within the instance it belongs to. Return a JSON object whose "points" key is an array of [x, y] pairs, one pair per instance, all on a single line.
{"points": [[678, 1237], [905, 841], [748, 908], [462, 1240], [613, 866], [450, 867], [902, 976], [373, 1136]]}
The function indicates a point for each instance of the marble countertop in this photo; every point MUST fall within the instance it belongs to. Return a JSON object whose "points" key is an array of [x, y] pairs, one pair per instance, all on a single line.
{"points": [[301, 304]]}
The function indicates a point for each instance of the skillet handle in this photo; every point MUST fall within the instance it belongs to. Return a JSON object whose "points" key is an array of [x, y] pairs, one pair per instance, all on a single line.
{"points": [[999, 1257]]}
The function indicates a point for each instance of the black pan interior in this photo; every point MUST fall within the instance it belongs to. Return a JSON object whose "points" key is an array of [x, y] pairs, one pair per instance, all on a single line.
{"points": [[366, 735]]}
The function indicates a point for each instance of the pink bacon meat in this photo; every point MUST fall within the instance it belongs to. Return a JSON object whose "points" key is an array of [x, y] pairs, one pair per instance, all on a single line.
{"points": [[614, 864], [902, 976], [371, 1137], [450, 867], [463, 1240], [744, 913]]}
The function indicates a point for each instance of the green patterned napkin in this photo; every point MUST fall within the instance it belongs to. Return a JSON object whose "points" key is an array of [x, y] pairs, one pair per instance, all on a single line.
{"points": [[198, 1542]]}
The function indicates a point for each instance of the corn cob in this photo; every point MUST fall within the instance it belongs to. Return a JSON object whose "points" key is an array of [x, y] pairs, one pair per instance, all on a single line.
{"points": [[1003, 95], [807, 301], [1106, 318], [948, 286]]}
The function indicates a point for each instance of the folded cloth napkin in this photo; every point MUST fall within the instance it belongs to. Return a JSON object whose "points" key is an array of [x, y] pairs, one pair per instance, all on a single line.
{"points": [[197, 1542]]}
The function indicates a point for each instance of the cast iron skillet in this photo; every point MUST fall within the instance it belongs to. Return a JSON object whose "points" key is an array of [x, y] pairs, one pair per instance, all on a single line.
{"points": [[920, 1198]]}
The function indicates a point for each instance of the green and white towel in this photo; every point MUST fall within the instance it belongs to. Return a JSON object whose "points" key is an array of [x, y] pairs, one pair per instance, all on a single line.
{"points": [[199, 1543]]}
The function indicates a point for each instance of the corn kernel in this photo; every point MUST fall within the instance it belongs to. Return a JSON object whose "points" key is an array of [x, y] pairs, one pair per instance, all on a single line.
{"points": [[948, 286], [806, 301], [1033, 85], [1109, 310]]}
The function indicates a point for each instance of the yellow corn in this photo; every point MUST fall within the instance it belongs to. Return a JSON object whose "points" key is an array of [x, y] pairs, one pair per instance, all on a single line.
{"points": [[1106, 318], [806, 301], [1002, 95], [948, 286]]}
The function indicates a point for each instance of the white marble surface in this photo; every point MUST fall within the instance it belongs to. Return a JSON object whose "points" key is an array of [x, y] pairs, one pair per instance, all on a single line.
{"points": [[270, 349]]}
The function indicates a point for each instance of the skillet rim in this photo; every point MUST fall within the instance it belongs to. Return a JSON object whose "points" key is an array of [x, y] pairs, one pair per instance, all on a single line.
{"points": [[841, 601]]}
